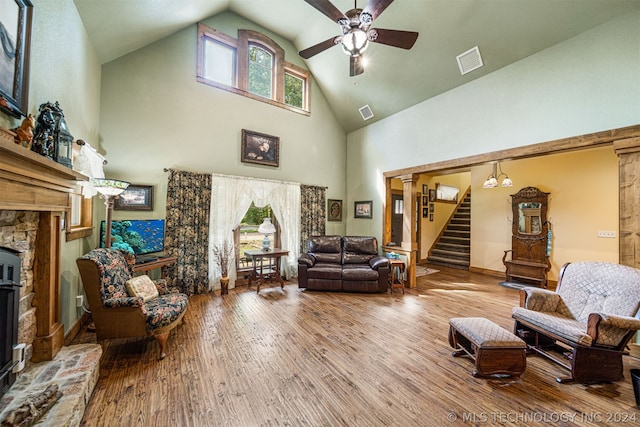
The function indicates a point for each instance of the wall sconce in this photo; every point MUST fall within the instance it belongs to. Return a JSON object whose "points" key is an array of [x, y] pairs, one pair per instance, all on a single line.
{"points": [[109, 189], [492, 179], [266, 228]]}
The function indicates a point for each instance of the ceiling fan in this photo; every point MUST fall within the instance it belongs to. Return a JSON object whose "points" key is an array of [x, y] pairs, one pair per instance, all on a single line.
{"points": [[356, 32]]}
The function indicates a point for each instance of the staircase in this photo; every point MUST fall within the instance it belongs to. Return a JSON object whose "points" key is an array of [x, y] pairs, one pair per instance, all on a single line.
{"points": [[452, 249]]}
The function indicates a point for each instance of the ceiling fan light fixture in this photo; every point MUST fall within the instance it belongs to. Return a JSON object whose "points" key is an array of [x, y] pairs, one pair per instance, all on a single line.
{"points": [[355, 42]]}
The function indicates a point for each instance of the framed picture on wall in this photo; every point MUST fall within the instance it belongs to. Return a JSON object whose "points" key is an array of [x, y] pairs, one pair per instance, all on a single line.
{"points": [[431, 217], [446, 193], [425, 212], [432, 207], [135, 198], [260, 148], [432, 195], [334, 210], [363, 209], [425, 200], [425, 189], [16, 17]]}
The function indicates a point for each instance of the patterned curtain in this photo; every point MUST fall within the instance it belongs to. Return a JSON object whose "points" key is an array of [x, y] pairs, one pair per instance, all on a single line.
{"points": [[312, 213], [187, 230]]}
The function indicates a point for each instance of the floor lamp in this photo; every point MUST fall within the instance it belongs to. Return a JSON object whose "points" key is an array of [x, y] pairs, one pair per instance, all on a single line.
{"points": [[109, 189]]}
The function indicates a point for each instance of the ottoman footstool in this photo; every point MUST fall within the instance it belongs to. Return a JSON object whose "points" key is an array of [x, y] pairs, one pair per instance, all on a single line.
{"points": [[495, 350]]}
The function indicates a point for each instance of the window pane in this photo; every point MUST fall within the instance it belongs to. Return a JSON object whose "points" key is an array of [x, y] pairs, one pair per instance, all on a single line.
{"points": [[218, 63], [293, 90], [399, 207], [260, 71]]}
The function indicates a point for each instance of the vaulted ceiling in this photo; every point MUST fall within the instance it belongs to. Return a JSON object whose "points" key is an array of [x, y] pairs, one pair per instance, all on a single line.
{"points": [[504, 30]]}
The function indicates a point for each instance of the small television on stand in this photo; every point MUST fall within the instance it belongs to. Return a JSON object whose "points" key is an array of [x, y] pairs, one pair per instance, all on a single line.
{"points": [[142, 237]]}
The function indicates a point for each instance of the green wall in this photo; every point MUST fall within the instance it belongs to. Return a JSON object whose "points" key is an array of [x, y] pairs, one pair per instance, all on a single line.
{"points": [[586, 84], [155, 115]]}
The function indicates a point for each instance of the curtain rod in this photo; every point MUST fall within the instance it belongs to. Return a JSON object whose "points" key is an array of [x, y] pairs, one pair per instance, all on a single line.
{"points": [[256, 179]]}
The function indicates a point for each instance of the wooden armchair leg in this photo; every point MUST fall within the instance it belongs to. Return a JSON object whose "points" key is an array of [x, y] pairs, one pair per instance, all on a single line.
{"points": [[162, 342]]}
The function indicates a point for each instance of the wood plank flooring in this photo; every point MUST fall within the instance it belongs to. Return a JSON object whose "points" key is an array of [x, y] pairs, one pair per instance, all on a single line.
{"points": [[296, 358]]}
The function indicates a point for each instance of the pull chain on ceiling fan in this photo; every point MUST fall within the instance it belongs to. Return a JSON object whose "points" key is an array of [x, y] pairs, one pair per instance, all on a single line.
{"points": [[356, 32]]}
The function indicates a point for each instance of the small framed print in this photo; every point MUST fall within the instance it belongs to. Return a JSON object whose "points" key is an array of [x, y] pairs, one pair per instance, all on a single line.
{"points": [[425, 189], [363, 209], [334, 210], [432, 195], [425, 212], [425, 200], [135, 198], [432, 207], [431, 217]]}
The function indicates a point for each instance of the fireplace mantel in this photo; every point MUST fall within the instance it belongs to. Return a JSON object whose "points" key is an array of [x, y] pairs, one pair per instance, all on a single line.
{"points": [[31, 182]]}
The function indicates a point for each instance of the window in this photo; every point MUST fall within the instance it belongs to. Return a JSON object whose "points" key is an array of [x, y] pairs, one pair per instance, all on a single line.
{"points": [[246, 237], [219, 62], [293, 90], [79, 220], [253, 66], [260, 71]]}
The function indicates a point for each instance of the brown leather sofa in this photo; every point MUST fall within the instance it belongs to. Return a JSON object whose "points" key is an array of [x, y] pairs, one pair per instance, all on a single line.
{"points": [[350, 263]]}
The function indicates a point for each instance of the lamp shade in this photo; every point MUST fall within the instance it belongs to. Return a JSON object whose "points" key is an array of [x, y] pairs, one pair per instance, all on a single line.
{"points": [[267, 227], [109, 187], [355, 42]]}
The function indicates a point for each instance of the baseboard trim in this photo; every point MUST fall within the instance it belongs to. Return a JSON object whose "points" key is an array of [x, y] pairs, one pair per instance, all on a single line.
{"points": [[75, 328]]}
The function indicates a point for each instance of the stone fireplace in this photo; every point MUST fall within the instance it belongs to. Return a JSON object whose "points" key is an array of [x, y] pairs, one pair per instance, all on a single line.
{"points": [[35, 193]]}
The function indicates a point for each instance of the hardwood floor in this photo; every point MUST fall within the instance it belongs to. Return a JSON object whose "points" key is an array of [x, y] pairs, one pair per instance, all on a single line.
{"points": [[326, 359]]}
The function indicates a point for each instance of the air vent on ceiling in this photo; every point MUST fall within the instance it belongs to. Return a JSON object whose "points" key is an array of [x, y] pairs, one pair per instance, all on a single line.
{"points": [[469, 60], [366, 112]]}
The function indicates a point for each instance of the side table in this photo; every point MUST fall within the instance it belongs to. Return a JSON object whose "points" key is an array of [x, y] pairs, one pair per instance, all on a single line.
{"points": [[397, 275]]}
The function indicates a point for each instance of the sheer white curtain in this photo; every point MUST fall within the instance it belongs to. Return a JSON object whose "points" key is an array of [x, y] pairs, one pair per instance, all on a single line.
{"points": [[231, 197]]}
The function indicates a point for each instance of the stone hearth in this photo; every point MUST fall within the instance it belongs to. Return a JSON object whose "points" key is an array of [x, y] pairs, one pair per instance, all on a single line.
{"points": [[75, 370]]}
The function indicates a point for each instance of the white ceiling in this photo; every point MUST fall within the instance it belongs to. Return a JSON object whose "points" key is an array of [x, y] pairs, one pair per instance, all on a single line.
{"points": [[505, 31]]}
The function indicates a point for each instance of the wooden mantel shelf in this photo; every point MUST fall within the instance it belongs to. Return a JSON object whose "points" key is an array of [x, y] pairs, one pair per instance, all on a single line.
{"points": [[33, 182]]}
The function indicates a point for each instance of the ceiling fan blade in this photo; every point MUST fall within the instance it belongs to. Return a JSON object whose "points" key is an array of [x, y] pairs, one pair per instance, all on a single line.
{"points": [[396, 38], [356, 66], [326, 7], [316, 49], [376, 7]]}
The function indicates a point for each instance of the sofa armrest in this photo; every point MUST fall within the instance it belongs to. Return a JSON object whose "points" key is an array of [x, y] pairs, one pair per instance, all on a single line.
{"points": [[377, 261], [537, 299], [610, 329], [123, 302], [307, 259]]}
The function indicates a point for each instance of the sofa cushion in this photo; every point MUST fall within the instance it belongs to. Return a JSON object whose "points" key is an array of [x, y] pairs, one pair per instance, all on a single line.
{"points": [[324, 244], [359, 249], [359, 272], [328, 258], [325, 271], [164, 310], [590, 287], [569, 329]]}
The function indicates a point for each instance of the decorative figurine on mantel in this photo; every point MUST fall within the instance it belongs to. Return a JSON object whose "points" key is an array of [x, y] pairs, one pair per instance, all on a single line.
{"points": [[52, 138], [43, 143], [24, 132]]}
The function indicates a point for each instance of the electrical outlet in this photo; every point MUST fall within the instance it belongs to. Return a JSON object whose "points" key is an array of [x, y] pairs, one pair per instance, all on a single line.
{"points": [[607, 234], [79, 301]]}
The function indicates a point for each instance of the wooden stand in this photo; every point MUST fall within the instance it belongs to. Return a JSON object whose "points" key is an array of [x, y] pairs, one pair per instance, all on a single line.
{"points": [[161, 262], [396, 278]]}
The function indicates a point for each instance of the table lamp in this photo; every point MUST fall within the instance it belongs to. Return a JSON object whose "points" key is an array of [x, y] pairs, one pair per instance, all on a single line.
{"points": [[109, 189], [266, 228]]}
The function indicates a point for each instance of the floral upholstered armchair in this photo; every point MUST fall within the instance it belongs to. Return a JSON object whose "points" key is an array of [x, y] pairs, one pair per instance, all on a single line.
{"points": [[586, 324], [126, 306]]}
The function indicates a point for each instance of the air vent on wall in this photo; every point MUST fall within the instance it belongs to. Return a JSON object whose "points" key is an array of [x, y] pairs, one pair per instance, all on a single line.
{"points": [[469, 60], [366, 112]]}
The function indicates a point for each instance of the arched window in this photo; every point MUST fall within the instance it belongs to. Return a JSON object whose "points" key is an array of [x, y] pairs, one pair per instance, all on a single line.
{"points": [[252, 65]]}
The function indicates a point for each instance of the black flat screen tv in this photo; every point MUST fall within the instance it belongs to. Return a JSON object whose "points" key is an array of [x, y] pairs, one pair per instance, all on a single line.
{"points": [[138, 236]]}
